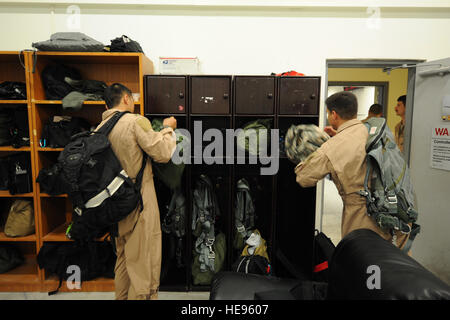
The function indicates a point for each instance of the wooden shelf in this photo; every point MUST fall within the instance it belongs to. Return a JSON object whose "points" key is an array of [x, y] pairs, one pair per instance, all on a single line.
{"points": [[96, 285], [13, 101], [5, 238], [100, 103], [11, 148], [50, 149], [46, 195], [59, 235], [23, 278], [6, 194]]}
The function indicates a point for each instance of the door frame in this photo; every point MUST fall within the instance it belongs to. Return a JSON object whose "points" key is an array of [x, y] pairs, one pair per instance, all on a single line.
{"points": [[375, 63], [383, 84]]}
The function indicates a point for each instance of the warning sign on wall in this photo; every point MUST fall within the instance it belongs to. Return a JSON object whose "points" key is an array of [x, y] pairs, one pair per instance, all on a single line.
{"points": [[440, 147]]}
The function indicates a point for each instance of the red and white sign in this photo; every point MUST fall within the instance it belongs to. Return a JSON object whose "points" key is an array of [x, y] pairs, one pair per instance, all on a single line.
{"points": [[440, 147]]}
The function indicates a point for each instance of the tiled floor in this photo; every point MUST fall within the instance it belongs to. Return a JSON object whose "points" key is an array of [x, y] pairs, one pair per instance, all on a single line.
{"points": [[332, 212], [96, 296]]}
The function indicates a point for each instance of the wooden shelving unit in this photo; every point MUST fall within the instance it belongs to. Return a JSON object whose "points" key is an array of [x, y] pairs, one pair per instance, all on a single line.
{"points": [[53, 213], [13, 66]]}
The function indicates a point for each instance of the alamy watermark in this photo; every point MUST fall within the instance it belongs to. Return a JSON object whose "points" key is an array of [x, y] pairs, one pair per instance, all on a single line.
{"points": [[374, 280], [74, 279]]}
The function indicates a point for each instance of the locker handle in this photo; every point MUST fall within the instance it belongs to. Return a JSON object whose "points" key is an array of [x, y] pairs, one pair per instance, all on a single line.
{"points": [[225, 95], [313, 96], [269, 95], [181, 95]]}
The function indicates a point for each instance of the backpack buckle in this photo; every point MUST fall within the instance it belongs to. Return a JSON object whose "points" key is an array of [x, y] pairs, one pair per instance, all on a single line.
{"points": [[78, 211], [209, 242], [392, 199], [240, 229]]}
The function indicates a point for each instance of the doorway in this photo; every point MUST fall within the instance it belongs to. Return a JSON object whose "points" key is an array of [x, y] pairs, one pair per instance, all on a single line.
{"points": [[372, 81]]}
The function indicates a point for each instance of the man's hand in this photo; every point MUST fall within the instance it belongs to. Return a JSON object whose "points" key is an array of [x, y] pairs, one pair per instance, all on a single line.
{"points": [[330, 131], [170, 122]]}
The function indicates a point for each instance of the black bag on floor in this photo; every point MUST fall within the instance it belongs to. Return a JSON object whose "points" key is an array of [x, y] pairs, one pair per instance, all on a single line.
{"points": [[20, 129], [58, 130], [6, 124], [13, 90], [323, 250], [252, 264], [10, 258], [95, 259], [54, 80], [124, 44], [19, 174]]}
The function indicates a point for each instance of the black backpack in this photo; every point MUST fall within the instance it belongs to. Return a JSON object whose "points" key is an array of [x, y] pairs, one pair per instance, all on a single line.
{"points": [[95, 259], [19, 179], [101, 192], [6, 123], [57, 134], [53, 78], [255, 264], [323, 250], [20, 130], [13, 90], [125, 44], [10, 258], [4, 173]]}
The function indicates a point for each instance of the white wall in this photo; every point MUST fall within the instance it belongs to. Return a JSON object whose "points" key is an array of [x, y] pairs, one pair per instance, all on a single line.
{"points": [[232, 40]]}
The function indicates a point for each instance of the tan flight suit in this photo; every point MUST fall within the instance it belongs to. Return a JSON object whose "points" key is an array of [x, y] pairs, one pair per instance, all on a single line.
{"points": [[399, 135], [138, 264], [344, 157]]}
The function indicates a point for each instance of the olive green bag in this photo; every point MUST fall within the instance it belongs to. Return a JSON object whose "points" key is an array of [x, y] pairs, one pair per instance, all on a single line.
{"points": [[205, 278], [169, 173], [20, 220]]}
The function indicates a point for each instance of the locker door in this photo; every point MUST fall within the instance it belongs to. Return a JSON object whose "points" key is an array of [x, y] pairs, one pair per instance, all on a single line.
{"points": [[299, 95], [165, 94], [255, 95], [210, 95]]}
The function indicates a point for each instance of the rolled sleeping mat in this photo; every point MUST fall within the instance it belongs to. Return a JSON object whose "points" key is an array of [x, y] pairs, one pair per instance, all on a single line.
{"points": [[302, 140]]}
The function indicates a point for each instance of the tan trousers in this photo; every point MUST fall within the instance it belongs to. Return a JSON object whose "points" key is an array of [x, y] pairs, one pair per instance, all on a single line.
{"points": [[124, 287]]}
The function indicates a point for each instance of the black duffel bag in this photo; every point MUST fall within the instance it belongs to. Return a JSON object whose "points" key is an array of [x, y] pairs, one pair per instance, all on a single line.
{"points": [[13, 90], [58, 130], [95, 259], [10, 258]]}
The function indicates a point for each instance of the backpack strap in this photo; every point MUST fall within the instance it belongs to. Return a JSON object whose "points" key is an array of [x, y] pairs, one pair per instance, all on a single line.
{"points": [[109, 125], [244, 211]]}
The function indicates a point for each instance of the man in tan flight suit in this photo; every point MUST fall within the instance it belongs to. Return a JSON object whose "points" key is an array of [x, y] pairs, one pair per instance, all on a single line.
{"points": [[400, 110], [344, 157], [138, 244]]}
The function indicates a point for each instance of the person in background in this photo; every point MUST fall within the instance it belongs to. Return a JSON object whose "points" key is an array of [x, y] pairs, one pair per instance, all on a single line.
{"points": [[344, 157], [138, 244], [375, 110], [400, 110]]}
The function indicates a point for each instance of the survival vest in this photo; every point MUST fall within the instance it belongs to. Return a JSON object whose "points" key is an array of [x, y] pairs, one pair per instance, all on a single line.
{"points": [[244, 213], [205, 211], [390, 197], [174, 222]]}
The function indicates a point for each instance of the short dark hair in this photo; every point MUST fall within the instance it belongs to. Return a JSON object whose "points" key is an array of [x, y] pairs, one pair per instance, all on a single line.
{"points": [[376, 109], [344, 103], [402, 99], [114, 93]]}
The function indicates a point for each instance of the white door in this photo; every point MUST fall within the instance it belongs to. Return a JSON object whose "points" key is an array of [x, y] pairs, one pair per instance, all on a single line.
{"points": [[432, 184]]}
